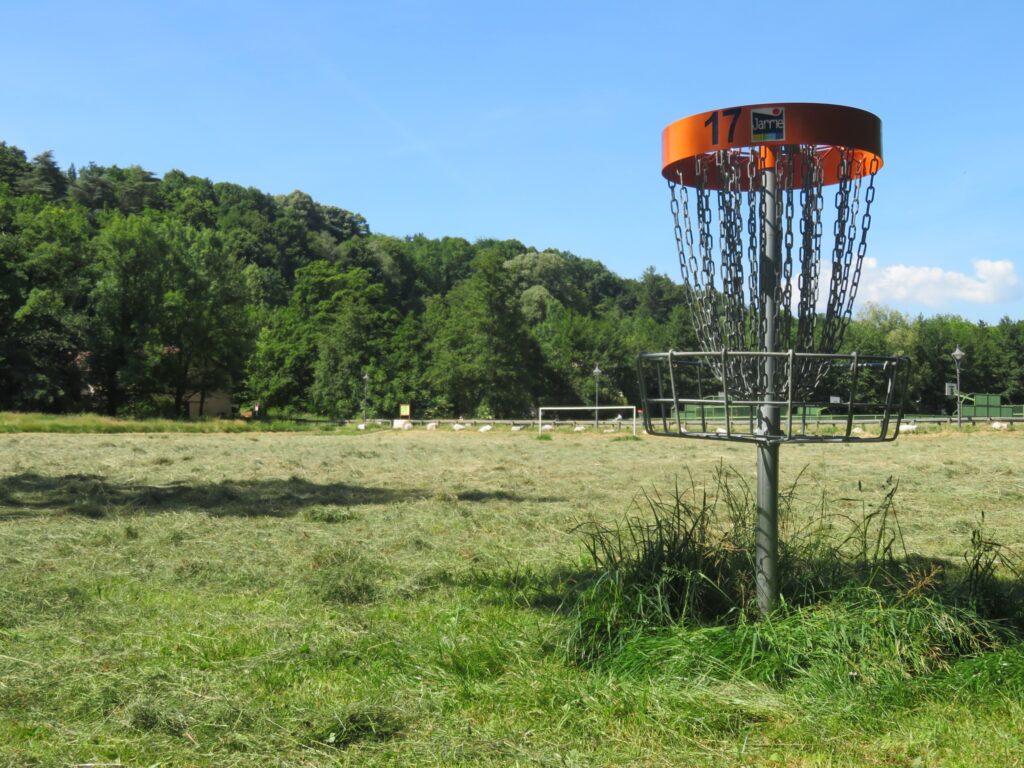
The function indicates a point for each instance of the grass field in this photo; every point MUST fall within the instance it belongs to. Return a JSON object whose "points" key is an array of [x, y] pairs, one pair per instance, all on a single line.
{"points": [[404, 598]]}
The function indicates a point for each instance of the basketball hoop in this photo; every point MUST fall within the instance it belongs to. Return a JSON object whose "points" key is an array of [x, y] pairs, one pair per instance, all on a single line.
{"points": [[768, 319]]}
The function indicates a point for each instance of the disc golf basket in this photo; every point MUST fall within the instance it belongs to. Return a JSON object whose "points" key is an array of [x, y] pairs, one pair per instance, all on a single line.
{"points": [[748, 198]]}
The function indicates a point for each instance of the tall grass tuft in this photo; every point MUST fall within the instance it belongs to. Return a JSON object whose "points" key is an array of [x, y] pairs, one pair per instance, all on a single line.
{"points": [[686, 560], [858, 635]]}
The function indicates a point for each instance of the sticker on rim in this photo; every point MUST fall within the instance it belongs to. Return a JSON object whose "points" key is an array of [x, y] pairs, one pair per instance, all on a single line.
{"points": [[768, 124]]}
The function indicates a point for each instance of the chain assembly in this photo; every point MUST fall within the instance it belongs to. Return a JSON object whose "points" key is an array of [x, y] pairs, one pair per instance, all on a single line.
{"points": [[723, 260]]}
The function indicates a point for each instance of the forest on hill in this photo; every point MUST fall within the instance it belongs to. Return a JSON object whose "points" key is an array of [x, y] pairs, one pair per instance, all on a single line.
{"points": [[123, 292]]}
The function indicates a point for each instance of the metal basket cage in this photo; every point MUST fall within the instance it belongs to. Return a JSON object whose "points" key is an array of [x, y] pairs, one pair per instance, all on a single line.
{"points": [[854, 398]]}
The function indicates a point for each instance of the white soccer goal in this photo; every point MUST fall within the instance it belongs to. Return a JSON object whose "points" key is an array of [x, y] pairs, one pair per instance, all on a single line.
{"points": [[559, 408]]}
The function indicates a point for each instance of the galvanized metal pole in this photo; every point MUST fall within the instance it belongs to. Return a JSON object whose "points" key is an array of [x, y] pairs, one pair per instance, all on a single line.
{"points": [[960, 400], [766, 535], [958, 355]]}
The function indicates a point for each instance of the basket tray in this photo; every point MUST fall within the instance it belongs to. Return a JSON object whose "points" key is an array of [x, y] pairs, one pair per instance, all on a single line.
{"points": [[812, 398]]}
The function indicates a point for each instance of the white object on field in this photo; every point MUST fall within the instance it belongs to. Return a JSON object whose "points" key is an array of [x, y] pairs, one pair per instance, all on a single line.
{"points": [[361, 426], [1000, 425], [541, 426], [432, 426], [579, 428], [517, 427], [547, 428], [486, 428], [458, 427], [908, 427]]}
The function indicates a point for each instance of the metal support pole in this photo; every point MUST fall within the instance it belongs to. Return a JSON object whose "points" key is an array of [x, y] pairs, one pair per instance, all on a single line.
{"points": [[959, 399], [597, 381], [766, 535], [958, 355]]}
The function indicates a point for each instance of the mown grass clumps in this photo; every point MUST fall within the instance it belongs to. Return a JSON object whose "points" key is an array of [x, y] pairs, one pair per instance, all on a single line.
{"points": [[298, 601], [90, 423], [672, 592], [149, 715], [328, 514], [359, 724], [346, 575]]}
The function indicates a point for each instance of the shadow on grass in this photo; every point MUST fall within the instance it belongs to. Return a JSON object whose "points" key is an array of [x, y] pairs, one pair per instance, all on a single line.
{"points": [[30, 494], [549, 589], [500, 495], [946, 580]]}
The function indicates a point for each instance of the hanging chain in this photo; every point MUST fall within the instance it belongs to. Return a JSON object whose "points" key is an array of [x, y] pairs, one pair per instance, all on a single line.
{"points": [[862, 246], [787, 244], [771, 278], [741, 312], [839, 251], [684, 246], [710, 336], [811, 202], [734, 315], [851, 239], [731, 249], [762, 249], [752, 237], [678, 231], [689, 269]]}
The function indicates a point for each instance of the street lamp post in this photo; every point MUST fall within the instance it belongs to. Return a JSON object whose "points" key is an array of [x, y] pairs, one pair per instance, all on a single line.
{"points": [[958, 355], [366, 393], [597, 381]]}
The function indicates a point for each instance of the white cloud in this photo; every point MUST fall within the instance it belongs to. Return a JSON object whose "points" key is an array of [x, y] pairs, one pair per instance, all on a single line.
{"points": [[991, 282], [899, 285]]}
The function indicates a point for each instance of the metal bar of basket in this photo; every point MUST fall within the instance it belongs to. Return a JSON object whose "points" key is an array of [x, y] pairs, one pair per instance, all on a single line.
{"points": [[640, 378], [789, 392], [643, 391], [725, 391], [675, 396], [854, 370], [685, 397], [700, 395], [904, 363], [661, 398], [891, 386]]}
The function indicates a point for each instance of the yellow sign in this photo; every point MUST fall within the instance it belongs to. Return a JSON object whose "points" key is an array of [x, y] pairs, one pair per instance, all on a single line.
{"points": [[405, 410]]}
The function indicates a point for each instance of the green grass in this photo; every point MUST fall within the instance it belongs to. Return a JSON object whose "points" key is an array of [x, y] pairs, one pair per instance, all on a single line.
{"points": [[14, 422], [407, 598]]}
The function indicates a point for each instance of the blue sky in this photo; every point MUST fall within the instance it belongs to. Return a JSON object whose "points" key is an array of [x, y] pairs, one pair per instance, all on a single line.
{"points": [[541, 121]]}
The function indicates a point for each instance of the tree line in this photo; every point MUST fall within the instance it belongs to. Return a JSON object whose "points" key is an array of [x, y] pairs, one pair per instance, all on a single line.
{"points": [[126, 293]]}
